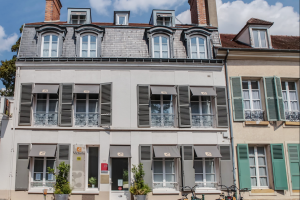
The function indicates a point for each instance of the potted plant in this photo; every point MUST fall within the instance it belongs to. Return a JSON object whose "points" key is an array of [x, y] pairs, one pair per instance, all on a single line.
{"points": [[139, 189], [93, 181], [62, 188]]}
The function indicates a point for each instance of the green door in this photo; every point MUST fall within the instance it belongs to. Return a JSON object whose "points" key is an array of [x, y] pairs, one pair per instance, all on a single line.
{"points": [[294, 165]]}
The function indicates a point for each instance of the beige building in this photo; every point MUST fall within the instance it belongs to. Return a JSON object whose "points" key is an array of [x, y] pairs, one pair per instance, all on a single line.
{"points": [[263, 81]]}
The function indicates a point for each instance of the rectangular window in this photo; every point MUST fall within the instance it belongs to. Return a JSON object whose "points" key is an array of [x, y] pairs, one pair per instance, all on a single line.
{"points": [[252, 101], [290, 100], [78, 19], [163, 21], [201, 108], [162, 111], [40, 175], [205, 172], [46, 110], [93, 166], [260, 38], [122, 19], [86, 110], [258, 167], [164, 175]]}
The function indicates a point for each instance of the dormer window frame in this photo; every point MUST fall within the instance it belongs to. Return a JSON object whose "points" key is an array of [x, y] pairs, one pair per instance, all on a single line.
{"points": [[118, 15], [160, 36], [163, 20], [78, 19], [268, 37], [51, 42], [89, 49]]}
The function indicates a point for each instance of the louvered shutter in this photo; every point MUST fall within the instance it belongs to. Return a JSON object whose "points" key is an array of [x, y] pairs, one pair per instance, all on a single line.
{"points": [[279, 170], [222, 113], [105, 118], [270, 96], [66, 104], [184, 110], [280, 105], [226, 169], [63, 154], [25, 104], [188, 171], [146, 159], [243, 166], [294, 158], [237, 99], [22, 171], [143, 104]]}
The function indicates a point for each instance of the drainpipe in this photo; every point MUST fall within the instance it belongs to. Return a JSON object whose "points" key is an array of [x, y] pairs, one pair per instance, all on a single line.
{"points": [[230, 120]]}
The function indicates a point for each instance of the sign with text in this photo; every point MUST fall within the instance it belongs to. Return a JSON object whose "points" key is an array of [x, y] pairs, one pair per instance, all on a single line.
{"points": [[79, 149], [104, 167]]}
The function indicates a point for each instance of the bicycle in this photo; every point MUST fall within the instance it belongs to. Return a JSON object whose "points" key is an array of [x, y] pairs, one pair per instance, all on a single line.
{"points": [[233, 189], [193, 197]]}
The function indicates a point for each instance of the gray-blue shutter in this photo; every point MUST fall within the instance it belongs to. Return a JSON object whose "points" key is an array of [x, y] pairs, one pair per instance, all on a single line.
{"points": [[280, 105], [237, 99], [146, 155], [143, 106], [222, 113], [105, 118], [22, 171], [271, 99], [188, 171], [226, 169], [66, 104], [184, 109], [25, 104], [63, 152]]}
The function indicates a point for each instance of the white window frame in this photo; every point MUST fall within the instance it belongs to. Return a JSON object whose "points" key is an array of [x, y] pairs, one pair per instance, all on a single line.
{"points": [[197, 45], [125, 21], [259, 38], [287, 90], [78, 19], [257, 168], [87, 168], [163, 160], [50, 45], [47, 103], [44, 171], [204, 174], [164, 21], [89, 45], [200, 106], [160, 45], [250, 95], [161, 107]]}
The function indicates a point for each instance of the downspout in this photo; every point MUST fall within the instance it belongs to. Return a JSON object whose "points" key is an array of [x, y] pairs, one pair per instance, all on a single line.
{"points": [[230, 120]]}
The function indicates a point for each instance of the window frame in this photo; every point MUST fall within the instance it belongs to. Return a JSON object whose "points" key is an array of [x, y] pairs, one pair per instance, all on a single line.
{"points": [[250, 95], [161, 102], [164, 21], [197, 46], [89, 45], [50, 45], [87, 168], [287, 90], [204, 174], [78, 19], [47, 103], [163, 160], [87, 103], [258, 186], [160, 45], [200, 105], [44, 171], [125, 21], [259, 38]]}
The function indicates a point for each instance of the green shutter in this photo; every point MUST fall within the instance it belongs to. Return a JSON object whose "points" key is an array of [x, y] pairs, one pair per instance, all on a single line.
{"points": [[243, 166], [294, 158], [237, 98], [279, 170], [280, 105]]}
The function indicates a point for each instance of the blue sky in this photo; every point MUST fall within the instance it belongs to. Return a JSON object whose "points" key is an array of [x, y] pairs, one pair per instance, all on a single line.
{"points": [[25, 11]]}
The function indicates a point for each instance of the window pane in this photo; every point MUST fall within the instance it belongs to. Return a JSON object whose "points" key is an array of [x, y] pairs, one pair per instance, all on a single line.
{"points": [[167, 97], [262, 171], [245, 84], [93, 46], [209, 166], [256, 105], [198, 167], [194, 41], [255, 94], [93, 106], [93, 53], [202, 55], [82, 16], [47, 38], [84, 53], [54, 46], [158, 167], [85, 39], [155, 107], [293, 95], [206, 108], [283, 86], [292, 86], [74, 21], [156, 47], [53, 105], [247, 105], [165, 47], [156, 54], [41, 106], [54, 38], [45, 53], [84, 46], [38, 165], [93, 96], [156, 39], [261, 161], [201, 41], [294, 105], [93, 164], [194, 48], [155, 97], [81, 96], [260, 151], [93, 39], [263, 38], [254, 85], [210, 178], [167, 107], [41, 96], [284, 95], [255, 35], [169, 166], [158, 178], [38, 177], [195, 107], [74, 16], [251, 151], [201, 48], [82, 21], [80, 106], [194, 55], [121, 20], [164, 40], [252, 171], [199, 178], [253, 182], [53, 53], [252, 161], [263, 181], [170, 177], [246, 94], [53, 96], [165, 54], [159, 21], [51, 164]]}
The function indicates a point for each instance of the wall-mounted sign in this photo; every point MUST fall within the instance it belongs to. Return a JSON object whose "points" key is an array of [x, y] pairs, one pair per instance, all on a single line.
{"points": [[204, 93], [104, 167], [42, 153], [208, 154], [120, 154], [78, 158], [164, 92], [167, 154], [120, 182], [45, 90], [79, 149], [86, 91]]}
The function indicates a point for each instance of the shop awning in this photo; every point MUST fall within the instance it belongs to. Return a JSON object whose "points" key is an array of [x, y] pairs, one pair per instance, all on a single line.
{"points": [[166, 152], [168, 90], [46, 89], [203, 91], [90, 89], [207, 152], [42, 151], [120, 152]]}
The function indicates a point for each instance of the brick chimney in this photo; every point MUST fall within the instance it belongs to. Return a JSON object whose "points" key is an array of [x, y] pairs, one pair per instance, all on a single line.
{"points": [[204, 12], [52, 11]]}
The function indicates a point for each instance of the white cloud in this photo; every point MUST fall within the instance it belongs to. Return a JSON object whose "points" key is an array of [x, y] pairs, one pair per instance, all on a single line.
{"points": [[184, 17], [6, 41], [101, 5], [234, 15]]}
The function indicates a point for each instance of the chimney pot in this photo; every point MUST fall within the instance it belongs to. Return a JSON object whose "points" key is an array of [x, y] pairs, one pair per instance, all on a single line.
{"points": [[52, 11]]}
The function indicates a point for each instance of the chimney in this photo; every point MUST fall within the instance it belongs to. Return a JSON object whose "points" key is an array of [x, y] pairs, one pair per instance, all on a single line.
{"points": [[52, 11], [204, 12]]}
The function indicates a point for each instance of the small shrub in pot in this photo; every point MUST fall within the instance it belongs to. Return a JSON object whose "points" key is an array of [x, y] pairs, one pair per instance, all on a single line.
{"points": [[139, 189]]}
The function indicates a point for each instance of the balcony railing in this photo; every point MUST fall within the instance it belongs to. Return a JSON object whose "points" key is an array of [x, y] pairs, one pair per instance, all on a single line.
{"points": [[202, 120], [42, 184], [45, 119], [162, 120], [86, 119], [254, 115], [207, 184], [169, 185], [293, 116]]}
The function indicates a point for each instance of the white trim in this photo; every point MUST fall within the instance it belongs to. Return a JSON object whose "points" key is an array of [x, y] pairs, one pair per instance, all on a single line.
{"points": [[161, 191], [198, 49], [203, 160], [78, 19], [164, 21], [89, 45], [122, 15], [287, 90], [163, 160], [160, 45], [259, 30], [50, 45], [250, 95]]}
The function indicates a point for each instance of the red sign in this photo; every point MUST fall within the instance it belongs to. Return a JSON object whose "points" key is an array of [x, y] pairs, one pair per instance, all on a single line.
{"points": [[104, 167], [119, 188]]}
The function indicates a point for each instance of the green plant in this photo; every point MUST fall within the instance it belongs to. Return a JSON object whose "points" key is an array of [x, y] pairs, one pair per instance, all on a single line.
{"points": [[62, 185], [93, 180], [139, 187]]}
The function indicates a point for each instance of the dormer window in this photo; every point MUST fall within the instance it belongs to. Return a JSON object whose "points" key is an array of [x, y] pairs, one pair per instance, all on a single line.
{"points": [[50, 46], [260, 38], [161, 47], [198, 48], [79, 19], [164, 19], [79, 16], [121, 17]]}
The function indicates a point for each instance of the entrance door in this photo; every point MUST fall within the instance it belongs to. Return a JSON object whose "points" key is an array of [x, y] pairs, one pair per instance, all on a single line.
{"points": [[120, 179]]}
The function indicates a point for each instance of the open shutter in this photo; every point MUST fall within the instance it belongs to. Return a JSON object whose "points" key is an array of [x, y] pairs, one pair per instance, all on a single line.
{"points": [[65, 104], [237, 99], [146, 159], [243, 166], [222, 113], [280, 105], [294, 158], [226, 169], [188, 171], [105, 118], [279, 170], [184, 111], [271, 100], [143, 104], [22, 171], [25, 104], [63, 154]]}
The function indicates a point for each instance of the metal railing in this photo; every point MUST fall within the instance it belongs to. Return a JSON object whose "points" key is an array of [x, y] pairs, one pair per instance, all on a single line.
{"points": [[202, 120], [169, 185], [254, 115], [293, 116], [162, 120], [42, 184], [45, 119], [207, 184], [86, 119]]}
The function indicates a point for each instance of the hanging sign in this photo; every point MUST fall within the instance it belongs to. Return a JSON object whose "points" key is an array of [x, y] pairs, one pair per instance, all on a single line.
{"points": [[104, 167]]}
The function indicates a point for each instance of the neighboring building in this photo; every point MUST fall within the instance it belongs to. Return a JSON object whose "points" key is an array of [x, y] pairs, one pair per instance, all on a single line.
{"points": [[118, 94], [263, 73]]}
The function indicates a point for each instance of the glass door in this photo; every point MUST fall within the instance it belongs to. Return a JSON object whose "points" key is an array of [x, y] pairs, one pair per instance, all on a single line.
{"points": [[120, 174]]}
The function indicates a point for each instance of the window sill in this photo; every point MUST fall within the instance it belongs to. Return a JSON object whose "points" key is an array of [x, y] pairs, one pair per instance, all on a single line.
{"points": [[257, 123], [164, 191], [287, 123], [208, 191], [40, 190], [95, 191], [262, 192]]}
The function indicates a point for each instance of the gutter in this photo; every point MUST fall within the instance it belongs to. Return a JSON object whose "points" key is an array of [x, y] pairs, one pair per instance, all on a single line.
{"points": [[230, 120], [260, 50]]}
